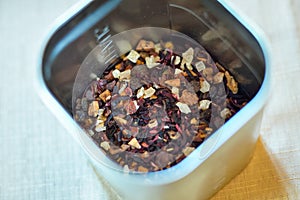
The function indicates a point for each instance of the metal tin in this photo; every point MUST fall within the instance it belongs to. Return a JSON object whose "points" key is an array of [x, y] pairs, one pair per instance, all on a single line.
{"points": [[217, 27]]}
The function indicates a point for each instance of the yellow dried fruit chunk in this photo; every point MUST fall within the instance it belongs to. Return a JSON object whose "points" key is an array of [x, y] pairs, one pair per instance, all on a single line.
{"points": [[231, 83], [93, 109], [134, 143]]}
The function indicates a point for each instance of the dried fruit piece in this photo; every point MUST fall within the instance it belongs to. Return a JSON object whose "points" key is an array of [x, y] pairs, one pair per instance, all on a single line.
{"points": [[134, 143], [189, 98], [105, 96], [173, 82], [194, 121], [169, 45], [120, 120], [225, 113], [131, 107], [178, 71], [152, 123], [93, 109], [200, 66], [125, 75], [149, 92], [231, 83], [145, 45], [133, 56], [184, 108], [105, 145], [204, 86], [175, 91], [176, 60], [204, 104], [173, 135], [116, 73], [188, 150], [140, 92], [218, 78], [188, 56], [152, 61], [142, 169]]}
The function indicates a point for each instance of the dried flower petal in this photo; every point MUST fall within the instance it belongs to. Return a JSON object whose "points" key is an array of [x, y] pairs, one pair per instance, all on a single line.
{"points": [[231, 83], [134, 143], [149, 92], [105, 145], [173, 82], [184, 108], [204, 104], [93, 109], [204, 86], [133, 56]]}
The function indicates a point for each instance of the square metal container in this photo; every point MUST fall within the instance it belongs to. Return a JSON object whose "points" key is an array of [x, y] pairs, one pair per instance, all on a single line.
{"points": [[224, 34]]}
